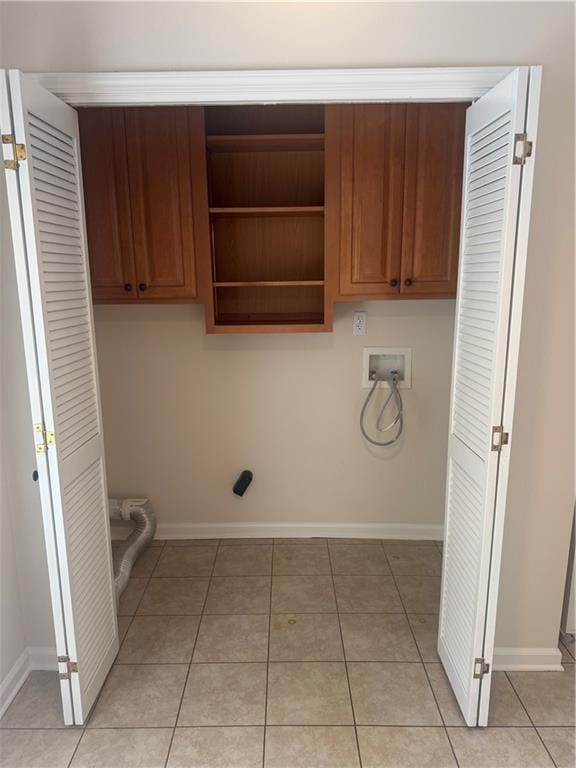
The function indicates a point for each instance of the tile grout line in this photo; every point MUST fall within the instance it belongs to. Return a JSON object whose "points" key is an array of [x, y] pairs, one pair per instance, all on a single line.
{"points": [[530, 718], [268, 657], [422, 661], [345, 660], [191, 657]]}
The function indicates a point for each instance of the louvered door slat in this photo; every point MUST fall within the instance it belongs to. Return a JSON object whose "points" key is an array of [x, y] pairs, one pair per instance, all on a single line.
{"points": [[55, 282], [491, 200]]}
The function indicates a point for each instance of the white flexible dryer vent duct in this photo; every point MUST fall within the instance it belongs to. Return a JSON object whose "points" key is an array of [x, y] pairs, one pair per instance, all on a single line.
{"points": [[141, 514]]}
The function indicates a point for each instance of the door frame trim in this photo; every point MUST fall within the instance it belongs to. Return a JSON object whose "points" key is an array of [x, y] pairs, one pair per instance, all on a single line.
{"points": [[278, 86]]}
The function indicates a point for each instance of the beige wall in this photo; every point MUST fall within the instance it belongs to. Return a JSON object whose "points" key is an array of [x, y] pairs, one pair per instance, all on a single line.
{"points": [[146, 36], [186, 412]]}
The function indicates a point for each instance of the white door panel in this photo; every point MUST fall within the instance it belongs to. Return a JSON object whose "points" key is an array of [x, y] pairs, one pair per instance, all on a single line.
{"points": [[488, 313], [45, 196]]}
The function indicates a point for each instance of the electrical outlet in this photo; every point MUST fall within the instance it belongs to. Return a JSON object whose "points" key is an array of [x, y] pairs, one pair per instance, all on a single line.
{"points": [[359, 323]]}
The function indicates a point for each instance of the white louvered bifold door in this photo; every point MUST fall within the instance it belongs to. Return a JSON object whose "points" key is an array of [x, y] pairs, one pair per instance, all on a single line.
{"points": [[495, 209], [47, 219]]}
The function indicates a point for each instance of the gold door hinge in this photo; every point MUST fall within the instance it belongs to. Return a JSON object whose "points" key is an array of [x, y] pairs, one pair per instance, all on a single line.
{"points": [[522, 149], [499, 438], [71, 666], [48, 438], [481, 668], [18, 152]]}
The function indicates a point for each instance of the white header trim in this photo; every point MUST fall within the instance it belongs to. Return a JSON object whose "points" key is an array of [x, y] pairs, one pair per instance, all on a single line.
{"points": [[277, 86]]}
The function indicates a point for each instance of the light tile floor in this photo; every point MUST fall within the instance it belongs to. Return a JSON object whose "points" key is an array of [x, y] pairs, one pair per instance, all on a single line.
{"points": [[289, 654]]}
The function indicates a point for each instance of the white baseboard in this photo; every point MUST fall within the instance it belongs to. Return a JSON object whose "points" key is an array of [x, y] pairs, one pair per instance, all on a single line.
{"points": [[30, 658], [298, 530], [43, 658], [527, 660]]}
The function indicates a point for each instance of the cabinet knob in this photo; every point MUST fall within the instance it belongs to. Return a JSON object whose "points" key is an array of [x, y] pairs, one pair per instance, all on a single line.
{"points": [[127, 287], [408, 282], [142, 286], [394, 283]]}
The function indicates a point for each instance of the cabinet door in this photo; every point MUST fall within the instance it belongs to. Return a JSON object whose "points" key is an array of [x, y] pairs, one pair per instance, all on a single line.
{"points": [[107, 201], [432, 199], [160, 174], [372, 182]]}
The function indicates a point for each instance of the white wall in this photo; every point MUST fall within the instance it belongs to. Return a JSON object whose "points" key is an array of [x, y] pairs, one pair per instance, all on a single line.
{"points": [[94, 36], [25, 612]]}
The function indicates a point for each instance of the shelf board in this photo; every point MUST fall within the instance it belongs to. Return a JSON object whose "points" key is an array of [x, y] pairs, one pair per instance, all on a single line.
{"points": [[267, 283], [265, 142], [282, 322], [269, 210]]}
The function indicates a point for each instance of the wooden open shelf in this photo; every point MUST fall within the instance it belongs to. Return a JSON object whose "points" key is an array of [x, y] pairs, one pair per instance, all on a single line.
{"points": [[267, 210], [269, 284], [266, 197]]}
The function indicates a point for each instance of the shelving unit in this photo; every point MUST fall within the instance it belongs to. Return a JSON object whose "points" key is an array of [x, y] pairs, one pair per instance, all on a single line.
{"points": [[266, 182]]}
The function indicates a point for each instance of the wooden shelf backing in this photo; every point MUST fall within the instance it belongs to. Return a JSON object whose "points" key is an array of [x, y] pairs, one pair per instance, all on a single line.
{"points": [[249, 119], [265, 142], [269, 210], [268, 284]]}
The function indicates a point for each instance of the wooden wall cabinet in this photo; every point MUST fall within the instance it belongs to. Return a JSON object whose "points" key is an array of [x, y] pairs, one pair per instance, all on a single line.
{"points": [[139, 170], [432, 199], [401, 179], [372, 170]]}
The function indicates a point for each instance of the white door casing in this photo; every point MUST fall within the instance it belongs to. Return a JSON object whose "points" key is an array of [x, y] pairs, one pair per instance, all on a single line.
{"points": [[493, 246], [47, 220]]}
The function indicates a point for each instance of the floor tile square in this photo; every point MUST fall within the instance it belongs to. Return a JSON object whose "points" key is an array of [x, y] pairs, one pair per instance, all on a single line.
{"points": [[131, 596], [408, 747], [425, 629], [123, 748], [159, 640], [140, 696], [303, 594], [217, 748], [244, 560], [392, 694], [185, 562], [354, 559], [238, 594], [397, 545], [378, 637], [547, 696], [243, 542], [420, 594], [232, 638], [505, 707], [498, 748], [308, 694], [224, 694], [416, 561], [300, 559], [301, 540], [37, 704], [146, 562], [38, 749], [174, 597], [305, 637], [192, 542], [367, 594], [560, 743], [311, 747]]}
